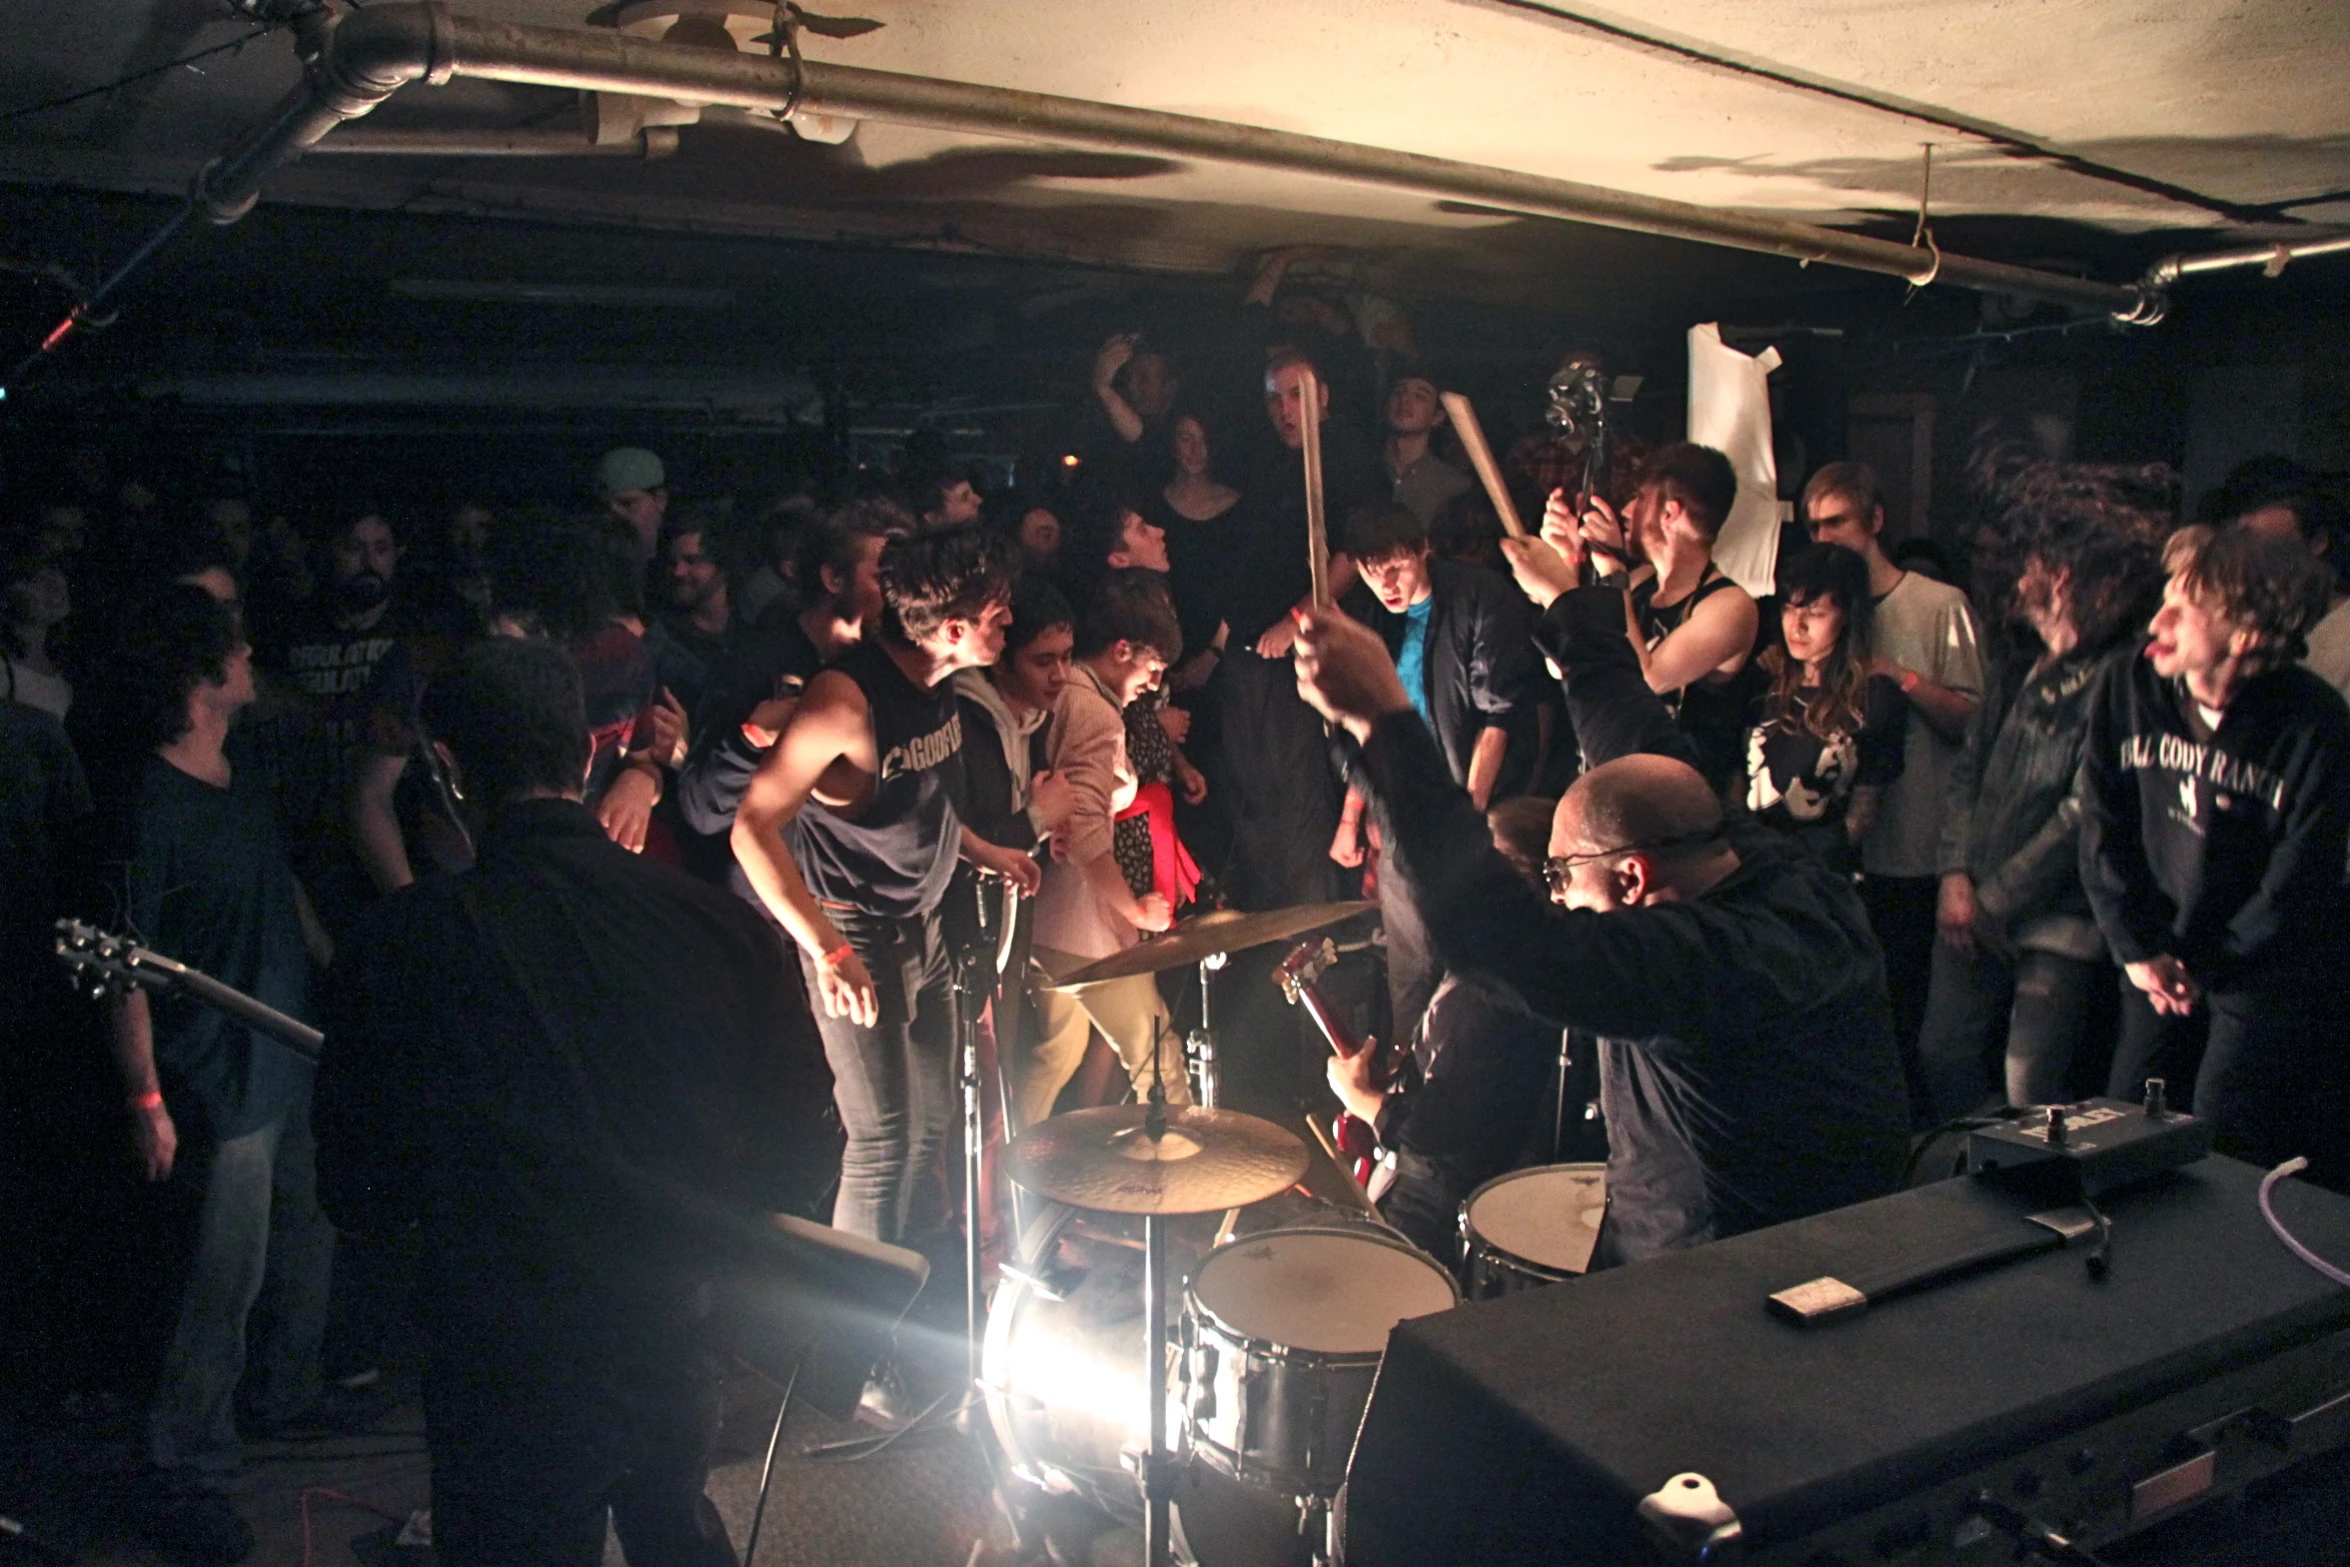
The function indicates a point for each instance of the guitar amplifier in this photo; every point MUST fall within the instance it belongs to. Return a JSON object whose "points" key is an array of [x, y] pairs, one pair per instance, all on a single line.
{"points": [[1661, 1412]]}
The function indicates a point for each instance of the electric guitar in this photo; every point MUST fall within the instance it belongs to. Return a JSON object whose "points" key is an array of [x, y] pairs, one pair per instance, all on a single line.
{"points": [[109, 965], [1296, 976]]}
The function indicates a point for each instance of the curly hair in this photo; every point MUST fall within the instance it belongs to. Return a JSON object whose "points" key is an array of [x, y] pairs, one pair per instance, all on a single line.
{"points": [[2273, 588], [2103, 523], [177, 638]]}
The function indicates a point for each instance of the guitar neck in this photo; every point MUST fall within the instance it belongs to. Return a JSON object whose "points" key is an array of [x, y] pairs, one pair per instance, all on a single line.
{"points": [[293, 1033], [1341, 1039]]}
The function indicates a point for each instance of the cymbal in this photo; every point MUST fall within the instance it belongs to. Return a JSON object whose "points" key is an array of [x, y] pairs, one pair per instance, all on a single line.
{"points": [[1206, 935], [1105, 1159]]}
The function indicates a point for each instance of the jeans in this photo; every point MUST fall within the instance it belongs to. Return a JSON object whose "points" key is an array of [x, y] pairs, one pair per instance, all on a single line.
{"points": [[2031, 1007], [894, 1082], [1901, 913], [1131, 1015], [258, 1226], [2266, 1069]]}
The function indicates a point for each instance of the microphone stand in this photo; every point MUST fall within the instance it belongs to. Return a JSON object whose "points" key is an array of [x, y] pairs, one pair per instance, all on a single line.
{"points": [[964, 1006]]}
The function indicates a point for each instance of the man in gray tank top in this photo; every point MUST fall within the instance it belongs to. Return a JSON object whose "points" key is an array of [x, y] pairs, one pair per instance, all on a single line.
{"points": [[848, 833]]}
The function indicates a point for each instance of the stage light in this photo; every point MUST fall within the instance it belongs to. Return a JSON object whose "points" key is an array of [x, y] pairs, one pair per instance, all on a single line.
{"points": [[1069, 460]]}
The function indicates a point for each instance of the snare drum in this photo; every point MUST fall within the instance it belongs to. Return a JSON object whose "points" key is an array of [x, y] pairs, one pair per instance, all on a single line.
{"points": [[1283, 1333], [1532, 1227]]}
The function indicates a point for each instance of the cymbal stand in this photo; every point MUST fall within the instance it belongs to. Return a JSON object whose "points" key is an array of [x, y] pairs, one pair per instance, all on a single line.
{"points": [[1157, 1463], [1207, 1075]]}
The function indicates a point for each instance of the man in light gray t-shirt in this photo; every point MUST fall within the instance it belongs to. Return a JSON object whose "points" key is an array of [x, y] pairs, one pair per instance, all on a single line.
{"points": [[1922, 636]]}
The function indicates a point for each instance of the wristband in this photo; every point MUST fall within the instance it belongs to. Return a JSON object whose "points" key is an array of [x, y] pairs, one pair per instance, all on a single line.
{"points": [[1909, 681], [152, 1099], [836, 954], [760, 739]]}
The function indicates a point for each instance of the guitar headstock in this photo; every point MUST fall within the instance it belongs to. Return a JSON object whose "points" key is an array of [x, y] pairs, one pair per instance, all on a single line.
{"points": [[109, 964], [1307, 962]]}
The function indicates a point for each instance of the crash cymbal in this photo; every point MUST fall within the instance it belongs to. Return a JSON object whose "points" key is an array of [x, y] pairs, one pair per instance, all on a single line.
{"points": [[1106, 1160], [1206, 935]]}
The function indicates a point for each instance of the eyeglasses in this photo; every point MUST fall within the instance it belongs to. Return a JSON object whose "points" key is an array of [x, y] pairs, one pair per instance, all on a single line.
{"points": [[1559, 869]]}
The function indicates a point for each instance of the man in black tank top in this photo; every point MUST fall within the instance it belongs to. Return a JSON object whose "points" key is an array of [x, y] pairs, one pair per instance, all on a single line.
{"points": [[848, 833]]}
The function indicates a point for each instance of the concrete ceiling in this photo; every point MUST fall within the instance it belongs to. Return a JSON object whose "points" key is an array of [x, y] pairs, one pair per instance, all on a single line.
{"points": [[2094, 119]]}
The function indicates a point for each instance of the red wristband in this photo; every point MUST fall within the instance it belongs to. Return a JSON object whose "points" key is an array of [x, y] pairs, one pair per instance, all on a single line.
{"points": [[152, 1099], [836, 954], [1909, 681]]}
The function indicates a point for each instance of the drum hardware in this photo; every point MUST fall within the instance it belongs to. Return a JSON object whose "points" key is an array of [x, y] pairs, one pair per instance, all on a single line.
{"points": [[1156, 1161], [1283, 1335], [1528, 1228], [1218, 932]]}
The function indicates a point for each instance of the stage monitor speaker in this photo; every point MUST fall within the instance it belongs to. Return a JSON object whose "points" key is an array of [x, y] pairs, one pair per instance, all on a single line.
{"points": [[1932, 1427]]}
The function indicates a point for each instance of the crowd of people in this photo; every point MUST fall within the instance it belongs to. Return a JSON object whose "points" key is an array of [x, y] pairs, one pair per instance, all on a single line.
{"points": [[625, 848]]}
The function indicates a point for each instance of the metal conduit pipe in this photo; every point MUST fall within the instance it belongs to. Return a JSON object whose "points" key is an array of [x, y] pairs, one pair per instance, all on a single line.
{"points": [[359, 58], [649, 145], [2271, 259]]}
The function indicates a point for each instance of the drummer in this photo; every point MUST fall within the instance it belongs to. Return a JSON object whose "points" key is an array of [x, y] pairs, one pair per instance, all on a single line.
{"points": [[1747, 1069], [1471, 1107]]}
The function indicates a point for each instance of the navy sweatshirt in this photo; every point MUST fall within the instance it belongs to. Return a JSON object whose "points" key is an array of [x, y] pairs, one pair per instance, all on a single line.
{"points": [[2227, 853]]}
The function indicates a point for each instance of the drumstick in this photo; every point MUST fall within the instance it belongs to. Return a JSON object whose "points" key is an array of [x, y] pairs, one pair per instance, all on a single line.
{"points": [[1345, 1171], [1309, 392], [1472, 434]]}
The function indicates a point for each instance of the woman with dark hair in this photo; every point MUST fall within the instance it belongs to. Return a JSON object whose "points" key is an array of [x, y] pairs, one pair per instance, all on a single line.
{"points": [[1205, 521], [1830, 735], [2019, 950]]}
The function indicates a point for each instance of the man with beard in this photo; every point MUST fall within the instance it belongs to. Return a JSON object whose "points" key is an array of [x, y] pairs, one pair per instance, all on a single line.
{"points": [[330, 658]]}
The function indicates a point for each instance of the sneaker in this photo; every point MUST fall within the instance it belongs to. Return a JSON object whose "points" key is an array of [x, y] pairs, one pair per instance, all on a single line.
{"points": [[202, 1530]]}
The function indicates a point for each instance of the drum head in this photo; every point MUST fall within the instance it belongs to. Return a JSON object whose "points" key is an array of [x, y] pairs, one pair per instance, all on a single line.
{"points": [[1326, 1292], [1548, 1217]]}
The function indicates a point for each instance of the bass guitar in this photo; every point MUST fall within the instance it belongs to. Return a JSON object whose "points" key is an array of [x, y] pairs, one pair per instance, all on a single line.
{"points": [[1298, 976], [109, 965]]}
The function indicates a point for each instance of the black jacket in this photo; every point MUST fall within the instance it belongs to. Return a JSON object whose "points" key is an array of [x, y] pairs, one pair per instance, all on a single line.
{"points": [[1747, 1066], [576, 1067], [2014, 824], [2227, 853], [1480, 664]]}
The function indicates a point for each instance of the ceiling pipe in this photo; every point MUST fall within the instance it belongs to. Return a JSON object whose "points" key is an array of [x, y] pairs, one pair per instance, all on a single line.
{"points": [[650, 145], [2271, 259], [357, 59]]}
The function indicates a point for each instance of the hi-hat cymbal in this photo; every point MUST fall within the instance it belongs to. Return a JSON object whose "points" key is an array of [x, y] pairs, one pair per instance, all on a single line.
{"points": [[1206, 935], [1106, 1160]]}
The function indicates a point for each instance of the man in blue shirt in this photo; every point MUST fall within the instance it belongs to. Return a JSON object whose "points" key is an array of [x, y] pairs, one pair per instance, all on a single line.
{"points": [[1462, 641]]}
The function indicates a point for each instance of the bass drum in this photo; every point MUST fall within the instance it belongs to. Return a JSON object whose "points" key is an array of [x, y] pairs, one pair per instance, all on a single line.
{"points": [[1061, 1371]]}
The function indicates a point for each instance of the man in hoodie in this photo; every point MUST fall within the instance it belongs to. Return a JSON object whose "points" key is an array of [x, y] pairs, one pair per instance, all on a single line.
{"points": [[1086, 911], [2215, 810], [1008, 806]]}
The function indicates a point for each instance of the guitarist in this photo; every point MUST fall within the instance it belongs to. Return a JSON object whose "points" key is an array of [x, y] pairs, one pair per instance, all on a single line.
{"points": [[192, 862], [1472, 1102]]}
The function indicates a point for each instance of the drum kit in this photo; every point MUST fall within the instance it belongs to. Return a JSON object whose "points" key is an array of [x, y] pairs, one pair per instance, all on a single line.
{"points": [[1228, 1439]]}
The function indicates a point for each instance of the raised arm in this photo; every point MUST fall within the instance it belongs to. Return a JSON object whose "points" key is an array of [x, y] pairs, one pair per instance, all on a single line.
{"points": [[1717, 638]]}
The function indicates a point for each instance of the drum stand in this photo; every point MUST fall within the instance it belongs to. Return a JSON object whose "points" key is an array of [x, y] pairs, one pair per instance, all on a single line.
{"points": [[1207, 1077]]}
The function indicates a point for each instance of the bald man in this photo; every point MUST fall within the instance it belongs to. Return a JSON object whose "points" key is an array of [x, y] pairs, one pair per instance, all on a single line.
{"points": [[1747, 1068]]}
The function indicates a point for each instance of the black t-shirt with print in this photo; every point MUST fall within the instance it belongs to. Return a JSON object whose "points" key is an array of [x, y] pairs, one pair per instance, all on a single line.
{"points": [[1802, 783]]}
